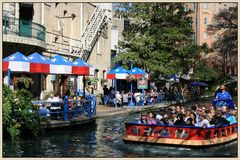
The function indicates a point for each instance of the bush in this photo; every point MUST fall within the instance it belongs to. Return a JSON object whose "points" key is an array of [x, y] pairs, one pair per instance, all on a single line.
{"points": [[19, 115]]}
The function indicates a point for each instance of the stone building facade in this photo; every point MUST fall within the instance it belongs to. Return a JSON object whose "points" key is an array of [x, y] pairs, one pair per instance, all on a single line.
{"points": [[58, 28]]}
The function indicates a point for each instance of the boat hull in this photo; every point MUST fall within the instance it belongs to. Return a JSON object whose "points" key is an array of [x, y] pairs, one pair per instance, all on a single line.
{"points": [[180, 135]]}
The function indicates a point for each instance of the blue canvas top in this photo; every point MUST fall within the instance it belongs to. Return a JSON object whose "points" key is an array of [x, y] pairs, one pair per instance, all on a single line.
{"points": [[17, 56], [118, 70], [136, 70], [37, 58], [80, 62], [59, 60], [198, 84]]}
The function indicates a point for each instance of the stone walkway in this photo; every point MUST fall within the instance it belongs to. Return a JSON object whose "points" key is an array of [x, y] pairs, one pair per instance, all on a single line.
{"points": [[103, 111]]}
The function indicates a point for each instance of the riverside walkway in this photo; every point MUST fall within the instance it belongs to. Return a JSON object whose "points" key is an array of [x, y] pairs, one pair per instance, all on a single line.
{"points": [[103, 111]]}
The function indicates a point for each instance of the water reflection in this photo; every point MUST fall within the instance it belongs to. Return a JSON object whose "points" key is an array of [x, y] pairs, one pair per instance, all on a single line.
{"points": [[103, 139]]}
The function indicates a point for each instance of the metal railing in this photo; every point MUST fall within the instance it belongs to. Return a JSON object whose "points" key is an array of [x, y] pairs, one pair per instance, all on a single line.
{"points": [[23, 28], [92, 31], [68, 109]]}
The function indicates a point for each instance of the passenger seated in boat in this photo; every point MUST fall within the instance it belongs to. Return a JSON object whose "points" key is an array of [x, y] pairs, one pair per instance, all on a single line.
{"points": [[172, 118], [218, 120], [193, 116], [189, 122], [151, 118], [225, 111], [187, 115], [162, 113], [178, 109], [231, 118], [203, 121], [194, 110], [180, 120], [143, 119], [159, 119]]}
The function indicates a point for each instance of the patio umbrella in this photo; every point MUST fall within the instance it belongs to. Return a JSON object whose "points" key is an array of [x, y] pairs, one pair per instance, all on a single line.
{"points": [[16, 62], [137, 72], [60, 65], [80, 67], [91, 70], [39, 63], [118, 73]]}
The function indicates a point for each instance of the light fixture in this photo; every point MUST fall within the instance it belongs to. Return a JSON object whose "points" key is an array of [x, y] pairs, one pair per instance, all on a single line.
{"points": [[73, 15], [64, 12]]}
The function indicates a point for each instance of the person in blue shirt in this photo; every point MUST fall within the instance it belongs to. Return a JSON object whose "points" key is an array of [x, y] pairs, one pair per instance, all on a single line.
{"points": [[231, 118], [223, 95]]}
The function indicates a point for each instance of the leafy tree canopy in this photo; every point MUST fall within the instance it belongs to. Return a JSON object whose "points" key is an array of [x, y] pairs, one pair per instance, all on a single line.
{"points": [[225, 27], [159, 37], [225, 23]]}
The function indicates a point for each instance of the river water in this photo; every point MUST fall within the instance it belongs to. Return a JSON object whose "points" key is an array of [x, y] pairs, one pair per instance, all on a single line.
{"points": [[104, 138]]}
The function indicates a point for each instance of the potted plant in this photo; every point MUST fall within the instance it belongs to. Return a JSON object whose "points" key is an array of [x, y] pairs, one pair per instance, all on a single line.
{"points": [[130, 78]]}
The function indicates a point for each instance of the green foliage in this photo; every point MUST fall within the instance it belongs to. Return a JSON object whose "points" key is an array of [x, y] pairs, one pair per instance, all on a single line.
{"points": [[205, 72], [26, 81], [93, 80], [225, 27], [19, 115], [158, 37]]}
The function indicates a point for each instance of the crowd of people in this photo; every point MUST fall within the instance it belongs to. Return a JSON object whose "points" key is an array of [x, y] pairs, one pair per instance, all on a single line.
{"points": [[199, 116], [139, 98]]}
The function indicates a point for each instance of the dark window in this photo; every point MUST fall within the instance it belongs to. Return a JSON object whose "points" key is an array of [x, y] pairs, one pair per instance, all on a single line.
{"points": [[126, 24], [208, 135], [147, 131], [233, 130], [228, 131], [135, 131], [164, 132], [26, 11], [215, 133], [223, 132]]}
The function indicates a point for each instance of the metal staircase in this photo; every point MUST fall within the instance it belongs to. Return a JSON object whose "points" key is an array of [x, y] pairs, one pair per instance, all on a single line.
{"points": [[92, 31], [83, 48]]}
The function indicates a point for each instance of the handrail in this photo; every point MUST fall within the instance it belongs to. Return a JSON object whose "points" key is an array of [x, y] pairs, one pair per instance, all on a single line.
{"points": [[29, 29]]}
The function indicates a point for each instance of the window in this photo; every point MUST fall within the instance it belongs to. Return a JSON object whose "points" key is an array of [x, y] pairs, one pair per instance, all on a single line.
{"points": [[205, 5], [214, 7], [126, 24], [194, 6], [205, 21], [216, 134], [205, 35]]}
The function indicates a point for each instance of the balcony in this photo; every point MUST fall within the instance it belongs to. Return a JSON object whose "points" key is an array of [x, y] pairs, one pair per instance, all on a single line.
{"points": [[22, 31]]}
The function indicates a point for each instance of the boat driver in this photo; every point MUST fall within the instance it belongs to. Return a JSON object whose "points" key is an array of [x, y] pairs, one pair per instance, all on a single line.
{"points": [[223, 95]]}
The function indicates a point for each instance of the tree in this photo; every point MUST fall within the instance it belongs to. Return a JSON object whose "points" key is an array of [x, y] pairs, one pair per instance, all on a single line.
{"points": [[225, 26], [19, 115], [159, 37]]}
